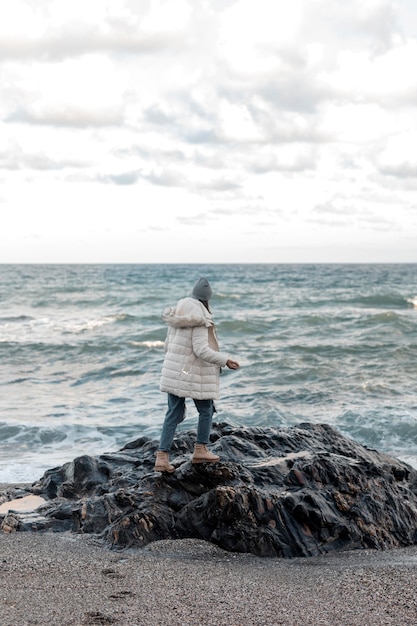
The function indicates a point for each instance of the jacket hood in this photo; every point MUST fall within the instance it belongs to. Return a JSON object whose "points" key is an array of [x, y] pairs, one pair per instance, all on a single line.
{"points": [[187, 313]]}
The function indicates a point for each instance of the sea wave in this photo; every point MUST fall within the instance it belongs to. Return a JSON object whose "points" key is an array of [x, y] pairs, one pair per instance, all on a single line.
{"points": [[380, 300], [27, 450], [81, 349], [15, 319]]}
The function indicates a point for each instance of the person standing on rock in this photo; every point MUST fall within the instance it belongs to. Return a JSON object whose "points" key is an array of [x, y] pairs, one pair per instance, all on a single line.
{"points": [[191, 369]]}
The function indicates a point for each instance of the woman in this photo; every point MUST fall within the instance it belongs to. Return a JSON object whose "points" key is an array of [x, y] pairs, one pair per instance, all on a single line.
{"points": [[191, 370]]}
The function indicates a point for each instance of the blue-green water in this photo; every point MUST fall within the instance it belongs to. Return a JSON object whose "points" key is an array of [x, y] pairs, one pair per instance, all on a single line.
{"points": [[81, 349]]}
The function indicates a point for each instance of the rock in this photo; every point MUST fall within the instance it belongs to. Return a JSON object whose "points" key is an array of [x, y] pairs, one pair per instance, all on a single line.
{"points": [[10, 523], [287, 492]]}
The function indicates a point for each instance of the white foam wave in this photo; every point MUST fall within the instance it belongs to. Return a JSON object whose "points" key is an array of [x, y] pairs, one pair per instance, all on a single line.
{"points": [[413, 301], [12, 473], [88, 324], [407, 458], [148, 344], [50, 329], [29, 452], [232, 296]]}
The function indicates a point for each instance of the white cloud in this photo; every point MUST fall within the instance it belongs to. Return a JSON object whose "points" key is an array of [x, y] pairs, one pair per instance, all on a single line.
{"points": [[399, 157], [76, 92], [128, 128]]}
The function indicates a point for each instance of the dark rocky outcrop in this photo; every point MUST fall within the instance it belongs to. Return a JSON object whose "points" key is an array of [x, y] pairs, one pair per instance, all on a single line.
{"points": [[290, 492]]}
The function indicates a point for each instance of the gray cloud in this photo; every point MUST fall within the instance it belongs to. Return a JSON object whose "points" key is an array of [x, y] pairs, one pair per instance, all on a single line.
{"points": [[166, 178], [194, 220], [218, 184], [148, 153], [302, 161], [202, 136], [330, 208], [256, 208], [295, 92], [78, 41], [275, 125], [156, 115], [125, 178], [185, 120], [173, 178], [16, 159], [209, 159], [67, 115], [341, 211], [196, 126], [351, 25], [405, 169]]}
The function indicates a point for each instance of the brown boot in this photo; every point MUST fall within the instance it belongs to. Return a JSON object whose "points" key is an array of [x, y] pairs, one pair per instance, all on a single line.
{"points": [[202, 455], [162, 463]]}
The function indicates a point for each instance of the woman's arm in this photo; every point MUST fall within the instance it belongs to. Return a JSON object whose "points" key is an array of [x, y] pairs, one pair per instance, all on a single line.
{"points": [[202, 349]]}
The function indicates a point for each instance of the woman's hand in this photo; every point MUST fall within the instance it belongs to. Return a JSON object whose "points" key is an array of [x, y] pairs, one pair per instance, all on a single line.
{"points": [[232, 365]]}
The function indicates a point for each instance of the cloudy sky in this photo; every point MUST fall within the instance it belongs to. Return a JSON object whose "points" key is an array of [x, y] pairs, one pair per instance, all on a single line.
{"points": [[208, 131]]}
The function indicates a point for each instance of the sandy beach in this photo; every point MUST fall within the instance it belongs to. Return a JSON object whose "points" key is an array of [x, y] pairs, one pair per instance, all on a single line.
{"points": [[67, 579]]}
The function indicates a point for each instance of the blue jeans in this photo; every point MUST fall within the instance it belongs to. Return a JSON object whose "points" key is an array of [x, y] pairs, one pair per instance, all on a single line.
{"points": [[176, 413]]}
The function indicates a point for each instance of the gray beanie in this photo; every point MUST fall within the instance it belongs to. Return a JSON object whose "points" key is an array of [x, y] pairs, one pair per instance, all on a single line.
{"points": [[202, 290]]}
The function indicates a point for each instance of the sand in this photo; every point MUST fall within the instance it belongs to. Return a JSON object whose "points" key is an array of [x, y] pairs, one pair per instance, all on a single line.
{"points": [[62, 579], [67, 579]]}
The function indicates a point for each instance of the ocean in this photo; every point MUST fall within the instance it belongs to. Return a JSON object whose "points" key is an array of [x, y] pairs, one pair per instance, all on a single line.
{"points": [[81, 350]]}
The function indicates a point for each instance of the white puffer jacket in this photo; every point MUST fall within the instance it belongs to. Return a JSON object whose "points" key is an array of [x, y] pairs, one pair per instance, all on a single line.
{"points": [[192, 359]]}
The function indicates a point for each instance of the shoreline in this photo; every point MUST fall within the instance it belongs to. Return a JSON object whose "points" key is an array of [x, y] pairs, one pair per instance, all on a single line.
{"points": [[11, 486]]}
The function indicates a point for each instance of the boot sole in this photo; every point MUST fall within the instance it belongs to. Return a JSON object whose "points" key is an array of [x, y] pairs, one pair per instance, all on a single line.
{"points": [[164, 470], [205, 461]]}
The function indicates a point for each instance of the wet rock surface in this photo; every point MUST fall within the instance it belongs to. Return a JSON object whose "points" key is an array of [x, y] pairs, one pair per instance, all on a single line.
{"points": [[289, 492]]}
